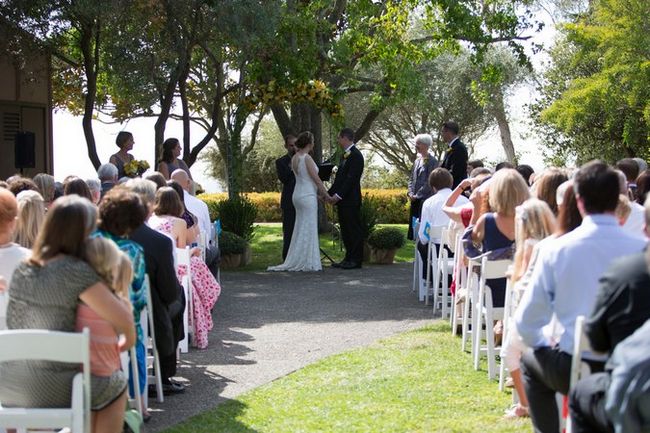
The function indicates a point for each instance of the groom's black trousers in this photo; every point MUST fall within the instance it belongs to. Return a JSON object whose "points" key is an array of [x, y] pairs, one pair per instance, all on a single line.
{"points": [[350, 222], [288, 221]]}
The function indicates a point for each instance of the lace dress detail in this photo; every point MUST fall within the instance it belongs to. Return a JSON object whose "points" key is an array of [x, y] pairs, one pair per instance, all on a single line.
{"points": [[304, 253], [205, 289]]}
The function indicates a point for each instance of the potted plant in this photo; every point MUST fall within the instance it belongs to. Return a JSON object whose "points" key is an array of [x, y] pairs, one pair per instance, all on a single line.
{"points": [[384, 242], [368, 216], [238, 216], [232, 248]]}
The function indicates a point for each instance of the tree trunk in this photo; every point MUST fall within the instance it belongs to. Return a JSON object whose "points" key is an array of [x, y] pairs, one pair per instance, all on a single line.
{"points": [[91, 69], [504, 128], [182, 88]]}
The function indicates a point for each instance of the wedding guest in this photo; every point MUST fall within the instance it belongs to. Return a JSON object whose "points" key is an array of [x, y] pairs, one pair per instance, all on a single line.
{"points": [[560, 286], [642, 186], [643, 166], [635, 222], [124, 141], [455, 159], [288, 180], [630, 169], [95, 188], [526, 171], [45, 184], [50, 286], [157, 178], [190, 219], [77, 186], [19, 184], [170, 161], [502, 165], [107, 174], [167, 297], [31, 215], [471, 165], [545, 186], [569, 217], [418, 185]]}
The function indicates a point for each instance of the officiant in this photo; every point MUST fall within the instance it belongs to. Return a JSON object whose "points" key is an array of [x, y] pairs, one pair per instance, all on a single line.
{"points": [[418, 186], [288, 179]]}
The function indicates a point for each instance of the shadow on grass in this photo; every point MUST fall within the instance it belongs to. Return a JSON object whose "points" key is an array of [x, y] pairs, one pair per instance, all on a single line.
{"points": [[224, 420]]}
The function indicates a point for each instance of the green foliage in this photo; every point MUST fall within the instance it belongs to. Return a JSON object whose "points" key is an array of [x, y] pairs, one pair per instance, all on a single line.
{"points": [[368, 215], [378, 177], [238, 215], [230, 243], [596, 95], [387, 238]]}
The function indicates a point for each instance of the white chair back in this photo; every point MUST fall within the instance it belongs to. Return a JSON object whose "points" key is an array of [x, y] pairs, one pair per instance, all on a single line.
{"points": [[44, 345], [183, 258], [153, 359], [417, 262]]}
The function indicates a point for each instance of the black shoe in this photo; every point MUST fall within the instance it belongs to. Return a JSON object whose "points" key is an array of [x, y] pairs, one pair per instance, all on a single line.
{"points": [[336, 265], [173, 388], [350, 265]]}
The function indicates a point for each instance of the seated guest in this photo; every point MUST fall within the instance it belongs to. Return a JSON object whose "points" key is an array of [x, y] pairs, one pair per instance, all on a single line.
{"points": [[630, 169], [463, 214], [635, 221], [642, 186], [11, 254], [205, 289], [107, 174], [502, 165], [120, 213], [77, 186], [157, 178], [418, 185], [190, 219], [546, 184], [167, 297], [95, 187], [496, 230], [565, 283], [471, 165], [31, 214], [18, 184], [526, 171], [622, 306], [45, 183], [440, 182], [45, 293]]}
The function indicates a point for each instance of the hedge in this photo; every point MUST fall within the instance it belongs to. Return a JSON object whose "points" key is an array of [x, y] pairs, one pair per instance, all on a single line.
{"points": [[392, 205]]}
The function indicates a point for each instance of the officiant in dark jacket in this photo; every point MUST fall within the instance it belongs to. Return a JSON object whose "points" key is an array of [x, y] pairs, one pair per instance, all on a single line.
{"points": [[418, 186], [288, 179], [455, 159], [346, 195], [167, 297]]}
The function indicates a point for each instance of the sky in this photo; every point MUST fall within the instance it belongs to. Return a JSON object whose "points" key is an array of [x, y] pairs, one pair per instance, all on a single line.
{"points": [[70, 153]]}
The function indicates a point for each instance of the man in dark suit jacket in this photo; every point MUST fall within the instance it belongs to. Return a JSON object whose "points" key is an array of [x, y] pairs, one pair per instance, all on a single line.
{"points": [[346, 194], [167, 297], [288, 179], [455, 159]]}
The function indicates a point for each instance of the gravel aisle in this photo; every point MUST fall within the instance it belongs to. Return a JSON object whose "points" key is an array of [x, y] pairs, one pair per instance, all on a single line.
{"points": [[270, 324]]}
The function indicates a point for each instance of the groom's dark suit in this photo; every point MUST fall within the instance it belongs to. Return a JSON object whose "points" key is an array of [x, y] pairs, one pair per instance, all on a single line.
{"points": [[288, 179], [347, 186], [456, 161]]}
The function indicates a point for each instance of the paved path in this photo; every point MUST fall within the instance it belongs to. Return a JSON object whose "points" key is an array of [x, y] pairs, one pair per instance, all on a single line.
{"points": [[270, 324]]}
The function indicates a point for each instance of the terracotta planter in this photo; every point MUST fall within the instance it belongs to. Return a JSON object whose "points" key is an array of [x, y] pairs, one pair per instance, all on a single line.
{"points": [[383, 257], [230, 261], [247, 257]]}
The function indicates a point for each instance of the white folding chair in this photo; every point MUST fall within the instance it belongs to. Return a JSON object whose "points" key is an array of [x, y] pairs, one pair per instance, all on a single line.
{"points": [[470, 290], [444, 269], [486, 313], [508, 313], [417, 261], [183, 259], [202, 242], [460, 276], [44, 345], [131, 357], [579, 368], [153, 359], [432, 265]]}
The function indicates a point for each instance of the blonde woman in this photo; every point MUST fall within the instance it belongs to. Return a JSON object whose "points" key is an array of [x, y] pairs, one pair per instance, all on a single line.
{"points": [[31, 214], [496, 230], [534, 221], [46, 185]]}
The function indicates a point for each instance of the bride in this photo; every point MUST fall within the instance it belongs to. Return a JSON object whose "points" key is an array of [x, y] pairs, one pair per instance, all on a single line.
{"points": [[304, 254]]}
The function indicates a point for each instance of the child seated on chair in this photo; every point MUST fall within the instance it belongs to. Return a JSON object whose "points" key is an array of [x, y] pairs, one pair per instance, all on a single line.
{"points": [[114, 267]]}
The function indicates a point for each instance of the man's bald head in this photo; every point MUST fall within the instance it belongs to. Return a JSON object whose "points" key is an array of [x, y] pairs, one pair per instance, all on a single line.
{"points": [[180, 176]]}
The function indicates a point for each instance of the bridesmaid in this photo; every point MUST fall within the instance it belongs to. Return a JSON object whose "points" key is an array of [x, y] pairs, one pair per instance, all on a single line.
{"points": [[170, 161], [124, 141]]}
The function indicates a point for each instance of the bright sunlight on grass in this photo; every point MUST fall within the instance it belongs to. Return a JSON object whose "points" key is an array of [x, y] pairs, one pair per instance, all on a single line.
{"points": [[267, 247], [418, 381]]}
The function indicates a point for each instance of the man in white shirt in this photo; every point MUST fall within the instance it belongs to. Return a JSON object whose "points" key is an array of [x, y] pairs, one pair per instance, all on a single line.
{"points": [[565, 283], [200, 210], [432, 215]]}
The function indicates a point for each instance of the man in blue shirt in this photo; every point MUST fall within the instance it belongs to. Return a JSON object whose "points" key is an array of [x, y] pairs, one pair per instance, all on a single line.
{"points": [[565, 283]]}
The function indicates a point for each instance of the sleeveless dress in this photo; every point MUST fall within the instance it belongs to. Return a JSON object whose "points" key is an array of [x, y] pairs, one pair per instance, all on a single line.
{"points": [[205, 289], [304, 252], [119, 163], [494, 240]]}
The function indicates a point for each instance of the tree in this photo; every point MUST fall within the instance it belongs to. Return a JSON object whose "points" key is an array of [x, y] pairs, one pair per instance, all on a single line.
{"points": [[595, 98]]}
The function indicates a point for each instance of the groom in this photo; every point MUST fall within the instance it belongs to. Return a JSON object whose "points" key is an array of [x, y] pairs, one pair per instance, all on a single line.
{"points": [[346, 194]]}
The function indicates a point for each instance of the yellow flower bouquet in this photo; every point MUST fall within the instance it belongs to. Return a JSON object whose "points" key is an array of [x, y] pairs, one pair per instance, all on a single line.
{"points": [[136, 168]]}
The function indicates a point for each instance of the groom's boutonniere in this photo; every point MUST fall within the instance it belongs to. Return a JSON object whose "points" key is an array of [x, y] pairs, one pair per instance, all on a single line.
{"points": [[346, 155]]}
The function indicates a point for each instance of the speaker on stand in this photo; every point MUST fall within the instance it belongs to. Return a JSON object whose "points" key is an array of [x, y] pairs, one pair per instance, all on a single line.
{"points": [[25, 150]]}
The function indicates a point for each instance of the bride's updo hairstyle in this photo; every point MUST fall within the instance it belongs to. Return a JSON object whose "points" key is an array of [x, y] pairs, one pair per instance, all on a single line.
{"points": [[304, 139]]}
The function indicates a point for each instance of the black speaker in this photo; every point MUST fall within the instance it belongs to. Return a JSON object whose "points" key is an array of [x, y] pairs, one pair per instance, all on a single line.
{"points": [[25, 149]]}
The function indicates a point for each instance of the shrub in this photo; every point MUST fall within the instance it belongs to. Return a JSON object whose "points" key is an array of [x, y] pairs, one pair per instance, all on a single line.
{"points": [[230, 243], [368, 215], [237, 216], [387, 238], [391, 205]]}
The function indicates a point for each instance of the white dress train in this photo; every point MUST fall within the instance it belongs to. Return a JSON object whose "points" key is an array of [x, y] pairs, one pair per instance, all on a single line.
{"points": [[304, 252]]}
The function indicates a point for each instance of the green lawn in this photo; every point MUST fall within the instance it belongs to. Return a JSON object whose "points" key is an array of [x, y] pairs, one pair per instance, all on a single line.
{"points": [[418, 381], [267, 247]]}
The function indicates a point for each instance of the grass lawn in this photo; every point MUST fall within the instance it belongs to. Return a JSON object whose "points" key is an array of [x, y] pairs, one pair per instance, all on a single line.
{"points": [[267, 247], [418, 381]]}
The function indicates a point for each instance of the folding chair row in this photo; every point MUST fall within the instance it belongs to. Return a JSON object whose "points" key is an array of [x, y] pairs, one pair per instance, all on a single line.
{"points": [[183, 258]]}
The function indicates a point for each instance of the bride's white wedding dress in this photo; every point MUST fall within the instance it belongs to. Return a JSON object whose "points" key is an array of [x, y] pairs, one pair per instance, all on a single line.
{"points": [[304, 253]]}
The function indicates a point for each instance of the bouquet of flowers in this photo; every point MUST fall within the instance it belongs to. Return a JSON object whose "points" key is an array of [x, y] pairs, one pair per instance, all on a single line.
{"points": [[136, 168]]}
